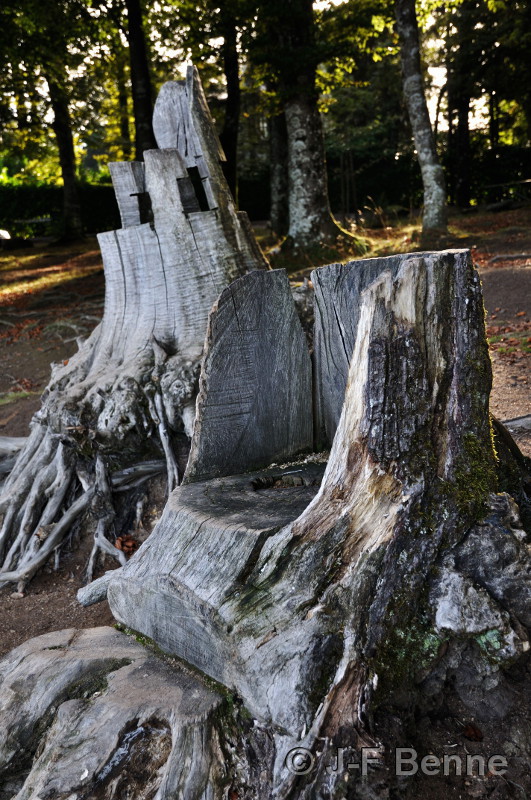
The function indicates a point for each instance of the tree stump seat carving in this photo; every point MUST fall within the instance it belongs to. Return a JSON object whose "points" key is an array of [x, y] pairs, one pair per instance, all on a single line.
{"points": [[313, 601]]}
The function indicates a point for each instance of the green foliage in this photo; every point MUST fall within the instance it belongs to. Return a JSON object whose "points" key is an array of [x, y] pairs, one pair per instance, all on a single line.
{"points": [[482, 44], [39, 43]]}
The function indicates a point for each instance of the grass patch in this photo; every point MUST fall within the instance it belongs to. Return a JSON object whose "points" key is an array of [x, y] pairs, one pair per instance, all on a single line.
{"points": [[11, 397]]}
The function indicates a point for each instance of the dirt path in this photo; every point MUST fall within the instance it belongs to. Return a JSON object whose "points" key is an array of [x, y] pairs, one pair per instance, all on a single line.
{"points": [[43, 309], [501, 248], [47, 299]]}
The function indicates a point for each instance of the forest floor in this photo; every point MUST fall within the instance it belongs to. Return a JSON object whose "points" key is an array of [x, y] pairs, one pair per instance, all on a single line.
{"points": [[50, 295]]}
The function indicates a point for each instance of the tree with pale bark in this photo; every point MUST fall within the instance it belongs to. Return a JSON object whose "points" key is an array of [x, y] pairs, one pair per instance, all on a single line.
{"points": [[435, 212], [287, 45]]}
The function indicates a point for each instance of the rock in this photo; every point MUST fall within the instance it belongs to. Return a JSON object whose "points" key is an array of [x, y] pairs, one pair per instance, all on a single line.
{"points": [[93, 714], [495, 555]]}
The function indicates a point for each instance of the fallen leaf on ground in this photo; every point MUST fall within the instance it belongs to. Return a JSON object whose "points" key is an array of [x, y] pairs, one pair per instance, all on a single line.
{"points": [[473, 733]]}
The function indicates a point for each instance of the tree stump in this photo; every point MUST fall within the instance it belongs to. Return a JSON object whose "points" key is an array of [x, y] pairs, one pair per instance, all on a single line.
{"points": [[117, 721], [314, 617], [331, 599], [128, 395]]}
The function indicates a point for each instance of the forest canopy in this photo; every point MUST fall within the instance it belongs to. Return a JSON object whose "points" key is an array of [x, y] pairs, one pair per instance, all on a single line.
{"points": [[79, 78]]}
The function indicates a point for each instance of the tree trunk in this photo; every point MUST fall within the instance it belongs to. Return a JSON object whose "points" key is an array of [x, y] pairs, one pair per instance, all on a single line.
{"points": [[123, 104], [128, 395], [462, 49], [310, 220], [62, 128], [435, 215], [140, 80], [494, 126], [278, 150], [462, 187], [229, 134]]}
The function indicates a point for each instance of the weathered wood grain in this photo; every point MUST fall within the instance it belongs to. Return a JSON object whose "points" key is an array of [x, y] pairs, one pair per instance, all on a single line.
{"points": [[188, 588], [129, 187], [338, 295], [255, 400], [182, 120]]}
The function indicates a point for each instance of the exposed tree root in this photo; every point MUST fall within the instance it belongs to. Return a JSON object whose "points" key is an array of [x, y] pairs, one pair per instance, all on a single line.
{"points": [[68, 466], [38, 522]]}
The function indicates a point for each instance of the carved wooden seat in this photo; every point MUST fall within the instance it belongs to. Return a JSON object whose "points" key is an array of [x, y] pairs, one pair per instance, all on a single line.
{"points": [[232, 582]]}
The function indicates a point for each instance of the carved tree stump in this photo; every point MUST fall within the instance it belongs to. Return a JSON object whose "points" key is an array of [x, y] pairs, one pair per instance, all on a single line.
{"points": [[309, 615], [128, 395], [315, 593]]}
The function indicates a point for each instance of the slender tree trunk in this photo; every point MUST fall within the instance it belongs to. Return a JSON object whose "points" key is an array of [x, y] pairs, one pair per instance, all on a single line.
{"points": [[435, 216], [278, 151], [494, 128], [465, 46], [353, 187], [229, 134], [310, 218], [123, 105], [452, 155], [450, 118], [526, 104], [462, 193], [140, 80], [62, 127], [442, 92]]}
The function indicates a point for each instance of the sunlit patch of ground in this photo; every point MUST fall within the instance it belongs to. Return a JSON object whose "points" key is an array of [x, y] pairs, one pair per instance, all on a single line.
{"points": [[27, 274]]}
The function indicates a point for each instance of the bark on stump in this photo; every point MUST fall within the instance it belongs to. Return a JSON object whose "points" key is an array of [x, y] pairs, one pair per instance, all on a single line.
{"points": [[317, 593], [128, 395]]}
